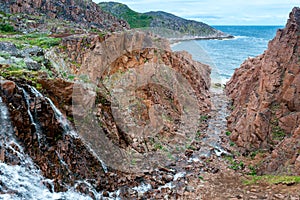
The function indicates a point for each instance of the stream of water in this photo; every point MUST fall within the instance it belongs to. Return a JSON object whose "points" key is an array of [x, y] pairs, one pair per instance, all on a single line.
{"points": [[24, 180]]}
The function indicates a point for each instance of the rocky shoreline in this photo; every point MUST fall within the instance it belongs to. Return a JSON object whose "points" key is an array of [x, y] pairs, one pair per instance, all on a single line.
{"points": [[187, 38], [119, 115]]}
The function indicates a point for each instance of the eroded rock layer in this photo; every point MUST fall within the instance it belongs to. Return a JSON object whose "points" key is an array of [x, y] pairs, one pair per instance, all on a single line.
{"points": [[143, 89], [265, 94], [155, 83]]}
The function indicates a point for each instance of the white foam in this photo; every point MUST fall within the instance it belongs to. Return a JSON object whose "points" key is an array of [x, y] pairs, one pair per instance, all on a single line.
{"points": [[178, 175], [141, 189]]}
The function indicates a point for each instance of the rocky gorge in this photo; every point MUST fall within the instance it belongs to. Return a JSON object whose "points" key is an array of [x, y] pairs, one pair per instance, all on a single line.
{"points": [[118, 115]]}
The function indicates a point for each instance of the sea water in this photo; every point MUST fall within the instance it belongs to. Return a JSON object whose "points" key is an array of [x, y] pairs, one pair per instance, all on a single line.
{"points": [[224, 56]]}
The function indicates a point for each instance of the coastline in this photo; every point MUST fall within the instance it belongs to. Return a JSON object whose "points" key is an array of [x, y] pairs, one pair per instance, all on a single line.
{"points": [[187, 38]]}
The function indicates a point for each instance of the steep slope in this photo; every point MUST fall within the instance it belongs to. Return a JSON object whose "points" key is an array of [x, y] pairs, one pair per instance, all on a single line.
{"points": [[165, 89], [84, 12], [162, 20], [122, 11], [265, 94]]}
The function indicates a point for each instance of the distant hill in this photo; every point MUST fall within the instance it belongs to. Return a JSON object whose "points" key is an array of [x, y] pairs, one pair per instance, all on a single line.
{"points": [[162, 20], [122, 11]]}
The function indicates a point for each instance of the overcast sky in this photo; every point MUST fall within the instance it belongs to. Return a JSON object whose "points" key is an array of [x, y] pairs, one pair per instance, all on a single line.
{"points": [[221, 12]]}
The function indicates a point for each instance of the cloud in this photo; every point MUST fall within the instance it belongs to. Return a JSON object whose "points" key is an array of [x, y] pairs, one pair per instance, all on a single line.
{"points": [[221, 12]]}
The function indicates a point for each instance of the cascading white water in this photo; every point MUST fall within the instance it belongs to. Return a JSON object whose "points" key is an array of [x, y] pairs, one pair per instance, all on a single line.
{"points": [[32, 119], [65, 124], [58, 115], [23, 181], [6, 127]]}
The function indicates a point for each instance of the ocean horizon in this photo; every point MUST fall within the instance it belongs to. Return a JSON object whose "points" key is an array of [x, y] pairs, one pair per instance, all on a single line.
{"points": [[224, 56]]}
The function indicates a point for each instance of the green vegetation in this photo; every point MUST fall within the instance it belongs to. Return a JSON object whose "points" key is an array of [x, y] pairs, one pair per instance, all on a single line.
{"points": [[257, 152], [6, 28], [162, 23], [4, 55], [18, 70], [231, 143], [235, 165], [203, 118], [198, 134], [271, 179], [252, 170], [71, 77], [277, 132], [38, 59], [70, 119], [134, 19], [85, 78], [34, 39], [159, 146], [228, 133], [38, 86]]}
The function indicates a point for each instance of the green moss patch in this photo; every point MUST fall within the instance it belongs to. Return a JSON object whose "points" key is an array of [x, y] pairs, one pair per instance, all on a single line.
{"points": [[40, 40], [271, 179]]}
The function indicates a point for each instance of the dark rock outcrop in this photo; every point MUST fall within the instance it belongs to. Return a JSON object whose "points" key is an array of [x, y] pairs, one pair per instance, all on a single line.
{"points": [[265, 94], [60, 155], [86, 13]]}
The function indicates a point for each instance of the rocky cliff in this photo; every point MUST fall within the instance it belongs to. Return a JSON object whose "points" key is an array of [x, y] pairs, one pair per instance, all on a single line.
{"points": [[86, 13], [142, 83], [265, 93], [138, 96]]}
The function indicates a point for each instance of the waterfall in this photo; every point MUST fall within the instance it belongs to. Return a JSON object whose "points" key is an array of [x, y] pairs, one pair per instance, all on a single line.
{"points": [[26, 182], [58, 115], [65, 124], [23, 181], [6, 127], [32, 119]]}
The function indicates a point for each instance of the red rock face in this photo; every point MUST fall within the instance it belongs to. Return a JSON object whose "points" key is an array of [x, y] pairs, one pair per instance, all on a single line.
{"points": [[105, 59], [8, 87], [140, 61], [86, 13], [265, 94]]}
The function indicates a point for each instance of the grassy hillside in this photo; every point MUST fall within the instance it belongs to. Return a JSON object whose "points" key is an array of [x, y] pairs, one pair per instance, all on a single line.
{"points": [[162, 21], [135, 19]]}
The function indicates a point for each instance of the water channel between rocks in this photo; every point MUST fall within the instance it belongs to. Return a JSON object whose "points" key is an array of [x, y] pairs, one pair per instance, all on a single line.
{"points": [[217, 124]]}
